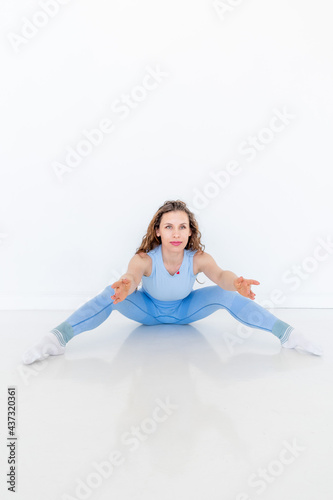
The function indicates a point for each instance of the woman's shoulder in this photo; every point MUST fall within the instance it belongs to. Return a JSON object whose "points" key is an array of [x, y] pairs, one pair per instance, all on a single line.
{"points": [[147, 254], [198, 258], [148, 263], [198, 253], [144, 255]]}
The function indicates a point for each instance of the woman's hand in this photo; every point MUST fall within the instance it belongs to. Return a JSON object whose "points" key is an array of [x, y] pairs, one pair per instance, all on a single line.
{"points": [[121, 289], [243, 287]]}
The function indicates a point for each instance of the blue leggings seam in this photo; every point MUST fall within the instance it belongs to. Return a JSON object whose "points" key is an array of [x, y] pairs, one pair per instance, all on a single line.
{"points": [[223, 307], [177, 320], [99, 312], [87, 319], [145, 312]]}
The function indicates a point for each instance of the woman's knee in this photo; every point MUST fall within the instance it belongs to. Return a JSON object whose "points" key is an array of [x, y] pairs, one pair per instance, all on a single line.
{"points": [[215, 293], [107, 292]]}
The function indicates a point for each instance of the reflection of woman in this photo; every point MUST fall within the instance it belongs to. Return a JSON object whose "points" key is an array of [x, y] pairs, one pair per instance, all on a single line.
{"points": [[168, 261]]}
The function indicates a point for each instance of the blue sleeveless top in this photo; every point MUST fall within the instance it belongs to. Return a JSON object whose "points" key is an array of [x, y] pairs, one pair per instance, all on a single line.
{"points": [[161, 285]]}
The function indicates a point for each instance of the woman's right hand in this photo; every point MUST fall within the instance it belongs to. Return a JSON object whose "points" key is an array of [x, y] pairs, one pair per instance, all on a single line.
{"points": [[121, 289]]}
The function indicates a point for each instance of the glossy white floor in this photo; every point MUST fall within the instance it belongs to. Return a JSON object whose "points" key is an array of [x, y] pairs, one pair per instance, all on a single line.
{"points": [[199, 411]]}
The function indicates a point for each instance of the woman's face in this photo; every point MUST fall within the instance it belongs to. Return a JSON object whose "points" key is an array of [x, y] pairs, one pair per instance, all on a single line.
{"points": [[174, 227]]}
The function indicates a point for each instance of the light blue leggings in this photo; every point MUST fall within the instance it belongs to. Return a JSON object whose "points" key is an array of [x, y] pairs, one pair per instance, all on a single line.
{"points": [[141, 307]]}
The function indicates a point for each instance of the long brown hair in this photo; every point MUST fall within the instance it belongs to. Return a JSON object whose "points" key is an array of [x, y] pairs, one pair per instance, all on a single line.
{"points": [[151, 240]]}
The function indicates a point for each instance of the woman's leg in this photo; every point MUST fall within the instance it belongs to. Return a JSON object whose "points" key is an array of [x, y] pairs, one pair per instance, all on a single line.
{"points": [[137, 306], [90, 315], [204, 301]]}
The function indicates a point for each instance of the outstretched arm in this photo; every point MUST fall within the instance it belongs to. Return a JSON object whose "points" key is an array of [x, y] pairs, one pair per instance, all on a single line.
{"points": [[225, 279], [129, 281], [243, 286]]}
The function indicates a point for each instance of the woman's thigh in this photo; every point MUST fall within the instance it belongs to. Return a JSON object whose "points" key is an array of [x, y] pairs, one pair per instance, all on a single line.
{"points": [[205, 301], [200, 304], [139, 307]]}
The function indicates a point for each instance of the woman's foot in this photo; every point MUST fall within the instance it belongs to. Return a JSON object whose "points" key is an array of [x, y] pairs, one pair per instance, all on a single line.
{"points": [[49, 345], [298, 340]]}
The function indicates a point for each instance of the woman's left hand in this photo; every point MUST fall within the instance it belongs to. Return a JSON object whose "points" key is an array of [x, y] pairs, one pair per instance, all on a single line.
{"points": [[243, 287]]}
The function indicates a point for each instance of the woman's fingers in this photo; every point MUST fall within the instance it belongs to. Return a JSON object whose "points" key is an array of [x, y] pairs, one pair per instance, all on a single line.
{"points": [[115, 284], [115, 287], [121, 289], [252, 282]]}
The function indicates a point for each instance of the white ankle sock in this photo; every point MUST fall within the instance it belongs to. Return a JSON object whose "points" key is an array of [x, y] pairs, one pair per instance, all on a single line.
{"points": [[48, 345], [298, 339]]}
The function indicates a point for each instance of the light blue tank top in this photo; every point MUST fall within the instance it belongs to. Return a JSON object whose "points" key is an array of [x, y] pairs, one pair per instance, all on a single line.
{"points": [[161, 285]]}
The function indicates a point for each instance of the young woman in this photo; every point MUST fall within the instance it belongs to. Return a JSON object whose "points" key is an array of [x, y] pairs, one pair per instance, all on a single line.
{"points": [[168, 261]]}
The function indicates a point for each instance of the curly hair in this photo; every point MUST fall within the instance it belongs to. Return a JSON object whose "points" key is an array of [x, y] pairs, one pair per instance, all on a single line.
{"points": [[151, 240]]}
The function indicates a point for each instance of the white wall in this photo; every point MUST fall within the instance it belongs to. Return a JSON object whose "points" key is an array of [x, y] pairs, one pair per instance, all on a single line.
{"points": [[223, 77]]}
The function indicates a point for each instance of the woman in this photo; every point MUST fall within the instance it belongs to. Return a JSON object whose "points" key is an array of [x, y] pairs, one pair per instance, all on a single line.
{"points": [[167, 262]]}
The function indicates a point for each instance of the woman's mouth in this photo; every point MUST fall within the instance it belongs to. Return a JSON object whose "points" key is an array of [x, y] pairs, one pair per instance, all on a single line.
{"points": [[175, 243]]}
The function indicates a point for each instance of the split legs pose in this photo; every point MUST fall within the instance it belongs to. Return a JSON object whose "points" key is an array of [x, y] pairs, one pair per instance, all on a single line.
{"points": [[141, 307]]}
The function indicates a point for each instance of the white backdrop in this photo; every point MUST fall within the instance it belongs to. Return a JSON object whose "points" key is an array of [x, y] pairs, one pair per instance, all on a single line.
{"points": [[110, 108]]}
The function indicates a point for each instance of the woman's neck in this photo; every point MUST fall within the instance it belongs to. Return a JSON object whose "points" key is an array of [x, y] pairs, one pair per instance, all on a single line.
{"points": [[172, 258]]}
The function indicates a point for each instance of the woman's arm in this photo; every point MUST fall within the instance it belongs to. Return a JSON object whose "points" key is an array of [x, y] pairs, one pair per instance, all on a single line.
{"points": [[137, 267], [225, 279], [207, 265], [128, 282]]}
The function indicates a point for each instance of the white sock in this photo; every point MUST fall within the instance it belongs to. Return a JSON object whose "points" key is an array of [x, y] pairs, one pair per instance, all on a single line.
{"points": [[298, 339], [48, 345]]}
